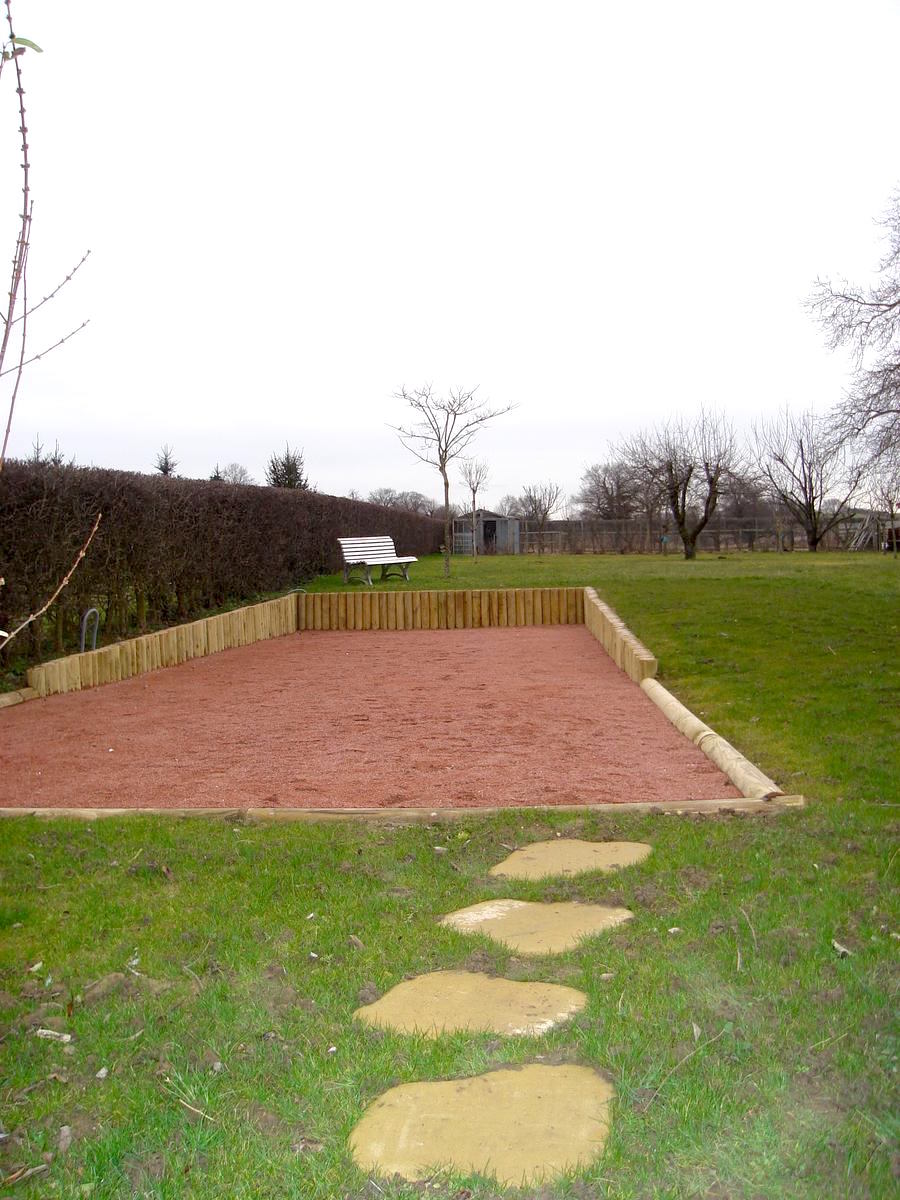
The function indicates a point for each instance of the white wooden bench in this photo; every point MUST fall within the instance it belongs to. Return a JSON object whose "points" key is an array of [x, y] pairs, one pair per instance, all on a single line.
{"points": [[369, 552]]}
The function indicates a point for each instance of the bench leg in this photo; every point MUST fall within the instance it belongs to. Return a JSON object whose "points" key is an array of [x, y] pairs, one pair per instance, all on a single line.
{"points": [[369, 575], [391, 571]]}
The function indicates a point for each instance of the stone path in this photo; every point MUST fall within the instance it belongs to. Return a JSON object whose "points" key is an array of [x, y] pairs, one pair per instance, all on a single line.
{"points": [[451, 1001], [569, 856], [536, 928], [521, 1125]]}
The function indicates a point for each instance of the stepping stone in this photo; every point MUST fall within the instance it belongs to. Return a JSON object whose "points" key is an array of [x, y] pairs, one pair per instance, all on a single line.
{"points": [[536, 928], [448, 1001], [522, 1126], [569, 856]]}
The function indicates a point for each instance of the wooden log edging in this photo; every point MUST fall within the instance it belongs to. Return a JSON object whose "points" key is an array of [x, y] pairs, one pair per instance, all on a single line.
{"points": [[369, 610], [463, 608], [626, 651], [166, 647], [8, 699], [640, 665], [410, 816], [747, 778]]}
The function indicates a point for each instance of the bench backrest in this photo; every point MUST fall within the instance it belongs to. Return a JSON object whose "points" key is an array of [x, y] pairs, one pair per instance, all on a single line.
{"points": [[367, 549]]}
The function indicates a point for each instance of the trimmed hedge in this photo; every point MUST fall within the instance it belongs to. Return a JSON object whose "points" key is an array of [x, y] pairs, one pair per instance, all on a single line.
{"points": [[167, 548]]}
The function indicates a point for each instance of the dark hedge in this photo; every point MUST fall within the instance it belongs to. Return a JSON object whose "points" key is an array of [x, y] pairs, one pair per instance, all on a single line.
{"points": [[168, 549]]}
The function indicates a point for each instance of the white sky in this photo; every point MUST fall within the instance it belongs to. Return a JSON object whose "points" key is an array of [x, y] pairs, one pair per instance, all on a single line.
{"points": [[602, 213]]}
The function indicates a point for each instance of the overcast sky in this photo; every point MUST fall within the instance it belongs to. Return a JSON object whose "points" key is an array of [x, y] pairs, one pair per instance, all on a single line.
{"points": [[603, 213]]}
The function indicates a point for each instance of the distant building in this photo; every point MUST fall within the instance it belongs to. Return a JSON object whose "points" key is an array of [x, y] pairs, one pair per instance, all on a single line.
{"points": [[494, 534]]}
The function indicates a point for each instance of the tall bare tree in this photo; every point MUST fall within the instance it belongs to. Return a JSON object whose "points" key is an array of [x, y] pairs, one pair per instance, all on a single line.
{"points": [[688, 463], [539, 502], [866, 319], [884, 491], [14, 353], [807, 469], [474, 473], [442, 429]]}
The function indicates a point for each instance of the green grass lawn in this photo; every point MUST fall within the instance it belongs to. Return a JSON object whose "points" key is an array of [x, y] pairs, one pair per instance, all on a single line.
{"points": [[750, 1059]]}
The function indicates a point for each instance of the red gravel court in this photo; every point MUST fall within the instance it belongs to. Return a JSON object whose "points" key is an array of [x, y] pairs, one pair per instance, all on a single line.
{"points": [[414, 719]]}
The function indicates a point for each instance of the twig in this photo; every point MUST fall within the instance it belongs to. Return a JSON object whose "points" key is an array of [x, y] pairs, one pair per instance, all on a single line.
{"points": [[890, 862], [825, 1041], [65, 580], [739, 959], [24, 1173], [35, 357], [752, 930], [193, 974], [56, 290], [681, 1062], [195, 1110]]}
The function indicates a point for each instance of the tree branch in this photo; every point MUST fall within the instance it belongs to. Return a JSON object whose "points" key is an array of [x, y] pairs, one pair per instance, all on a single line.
{"points": [[8, 637], [56, 290], [37, 357]]}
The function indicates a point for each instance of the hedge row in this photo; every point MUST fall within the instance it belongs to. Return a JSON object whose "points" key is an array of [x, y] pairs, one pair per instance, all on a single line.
{"points": [[167, 548]]}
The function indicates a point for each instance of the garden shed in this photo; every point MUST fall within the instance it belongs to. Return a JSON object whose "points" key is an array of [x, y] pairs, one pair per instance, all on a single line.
{"points": [[494, 534]]}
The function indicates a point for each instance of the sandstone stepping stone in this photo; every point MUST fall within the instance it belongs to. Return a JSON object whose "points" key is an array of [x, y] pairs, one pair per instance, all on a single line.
{"points": [[447, 1001], [569, 856], [523, 1125], [536, 928]]}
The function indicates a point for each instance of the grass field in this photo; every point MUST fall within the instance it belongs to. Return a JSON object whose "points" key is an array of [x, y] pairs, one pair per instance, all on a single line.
{"points": [[751, 1058]]}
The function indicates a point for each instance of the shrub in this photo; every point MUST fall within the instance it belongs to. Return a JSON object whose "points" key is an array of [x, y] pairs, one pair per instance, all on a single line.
{"points": [[168, 548]]}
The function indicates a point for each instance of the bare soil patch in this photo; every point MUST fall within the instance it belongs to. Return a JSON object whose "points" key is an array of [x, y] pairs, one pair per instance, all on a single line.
{"points": [[436, 719]]}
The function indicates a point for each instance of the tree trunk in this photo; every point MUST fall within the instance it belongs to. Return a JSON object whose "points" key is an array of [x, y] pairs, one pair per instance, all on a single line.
{"points": [[448, 531], [690, 546]]}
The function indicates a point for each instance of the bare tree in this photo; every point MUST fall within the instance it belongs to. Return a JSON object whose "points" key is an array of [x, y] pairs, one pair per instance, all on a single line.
{"points": [[385, 496], [539, 502], [286, 470], [867, 321], [608, 490], [884, 489], [808, 470], [14, 318], [510, 506], [166, 462], [442, 430], [474, 473], [688, 464], [235, 472], [417, 502]]}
